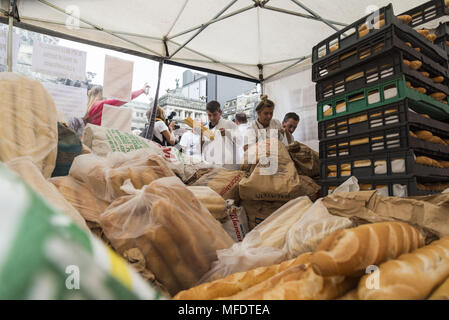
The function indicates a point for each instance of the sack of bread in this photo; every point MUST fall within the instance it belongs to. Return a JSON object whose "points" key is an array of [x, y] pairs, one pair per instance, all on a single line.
{"points": [[412, 276], [47, 256], [306, 160], [105, 176], [211, 200], [262, 246], [82, 199], [224, 182], [236, 224], [29, 122], [258, 211], [30, 173], [275, 177], [176, 234], [308, 232], [426, 213]]}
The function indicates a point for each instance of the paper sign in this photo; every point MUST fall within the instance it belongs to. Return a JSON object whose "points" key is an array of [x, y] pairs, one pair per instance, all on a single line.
{"points": [[4, 48], [71, 101], [118, 78], [59, 61], [116, 118]]}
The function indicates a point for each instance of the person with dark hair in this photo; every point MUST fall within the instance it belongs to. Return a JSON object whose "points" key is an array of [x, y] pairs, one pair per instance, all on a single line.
{"points": [[162, 133], [265, 122], [242, 123], [290, 123], [224, 130]]}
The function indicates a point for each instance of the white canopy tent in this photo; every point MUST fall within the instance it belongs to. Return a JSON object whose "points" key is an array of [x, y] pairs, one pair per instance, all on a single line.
{"points": [[255, 40]]}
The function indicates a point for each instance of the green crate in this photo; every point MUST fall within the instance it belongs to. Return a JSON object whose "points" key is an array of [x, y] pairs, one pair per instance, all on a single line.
{"points": [[378, 95]]}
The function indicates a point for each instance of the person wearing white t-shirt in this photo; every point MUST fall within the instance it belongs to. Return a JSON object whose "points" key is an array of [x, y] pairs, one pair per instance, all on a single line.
{"points": [[190, 143], [264, 124], [221, 150]]}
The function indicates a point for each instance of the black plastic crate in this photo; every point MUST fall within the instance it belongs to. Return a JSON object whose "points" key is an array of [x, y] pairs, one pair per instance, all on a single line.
{"points": [[385, 116], [387, 66], [394, 137], [381, 43], [386, 165], [331, 55], [426, 12], [392, 186]]}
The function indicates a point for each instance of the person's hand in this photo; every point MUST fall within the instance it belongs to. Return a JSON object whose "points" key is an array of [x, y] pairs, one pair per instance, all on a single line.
{"points": [[146, 87], [222, 131], [172, 125]]}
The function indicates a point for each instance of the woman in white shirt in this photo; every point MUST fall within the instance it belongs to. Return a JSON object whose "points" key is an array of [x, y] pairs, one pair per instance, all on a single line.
{"points": [[264, 123]]}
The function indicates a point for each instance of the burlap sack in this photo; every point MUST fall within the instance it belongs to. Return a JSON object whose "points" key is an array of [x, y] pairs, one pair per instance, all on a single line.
{"points": [[224, 182], [306, 160], [275, 178], [258, 211]]}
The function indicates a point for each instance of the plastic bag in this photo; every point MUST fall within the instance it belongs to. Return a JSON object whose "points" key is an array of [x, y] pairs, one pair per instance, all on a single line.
{"points": [[211, 200], [263, 246], [83, 200], [47, 256], [237, 222], [315, 224], [29, 122], [28, 171], [105, 176], [175, 233]]}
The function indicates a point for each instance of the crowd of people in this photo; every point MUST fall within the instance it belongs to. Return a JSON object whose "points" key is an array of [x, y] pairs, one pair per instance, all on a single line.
{"points": [[231, 138]]}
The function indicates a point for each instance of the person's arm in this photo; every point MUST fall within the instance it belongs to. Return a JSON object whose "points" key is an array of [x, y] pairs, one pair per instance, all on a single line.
{"points": [[169, 137], [118, 103]]}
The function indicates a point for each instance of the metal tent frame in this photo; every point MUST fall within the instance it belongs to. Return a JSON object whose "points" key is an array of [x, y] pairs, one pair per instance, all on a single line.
{"points": [[13, 19]]}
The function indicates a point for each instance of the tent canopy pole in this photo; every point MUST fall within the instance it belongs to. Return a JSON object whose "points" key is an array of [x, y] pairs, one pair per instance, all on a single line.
{"points": [[315, 14], [302, 15], [149, 134]]}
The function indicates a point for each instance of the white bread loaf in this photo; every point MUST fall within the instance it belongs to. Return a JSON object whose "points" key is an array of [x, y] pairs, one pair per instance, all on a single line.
{"points": [[411, 276], [349, 252], [29, 122], [239, 281]]}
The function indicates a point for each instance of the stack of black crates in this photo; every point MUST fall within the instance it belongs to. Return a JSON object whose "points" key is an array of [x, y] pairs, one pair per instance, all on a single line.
{"points": [[368, 107]]}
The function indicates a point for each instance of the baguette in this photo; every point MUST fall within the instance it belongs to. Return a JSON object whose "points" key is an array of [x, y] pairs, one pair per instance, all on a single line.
{"points": [[240, 281], [423, 32], [438, 79], [415, 65], [442, 293], [206, 132], [411, 276], [431, 37], [348, 252], [425, 115], [436, 139], [425, 74], [421, 90], [298, 283], [354, 76], [426, 161], [412, 134], [407, 62]]}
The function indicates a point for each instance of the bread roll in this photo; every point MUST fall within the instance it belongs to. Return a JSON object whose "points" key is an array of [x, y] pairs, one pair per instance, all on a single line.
{"points": [[328, 112], [425, 115], [415, 65], [423, 32], [348, 252], [333, 48], [211, 200], [411, 276], [412, 134], [409, 84], [442, 293], [408, 44], [424, 134], [425, 74], [438, 95], [421, 90], [407, 62], [405, 18], [431, 37], [438, 79], [418, 49], [240, 281]]}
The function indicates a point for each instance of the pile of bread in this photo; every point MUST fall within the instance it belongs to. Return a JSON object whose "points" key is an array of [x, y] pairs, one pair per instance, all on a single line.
{"points": [[387, 260]]}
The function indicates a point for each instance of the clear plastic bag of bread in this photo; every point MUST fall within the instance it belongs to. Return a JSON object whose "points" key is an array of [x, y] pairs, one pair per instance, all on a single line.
{"points": [[262, 246], [175, 233], [29, 122], [105, 176]]}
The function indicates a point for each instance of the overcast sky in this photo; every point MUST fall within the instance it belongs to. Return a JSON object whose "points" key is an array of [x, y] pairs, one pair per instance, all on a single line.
{"points": [[145, 70]]}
